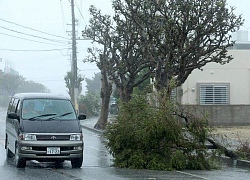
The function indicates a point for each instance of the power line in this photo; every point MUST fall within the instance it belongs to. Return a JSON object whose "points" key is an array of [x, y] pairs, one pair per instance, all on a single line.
{"points": [[32, 35], [33, 29], [62, 13], [80, 11], [25, 50], [30, 39]]}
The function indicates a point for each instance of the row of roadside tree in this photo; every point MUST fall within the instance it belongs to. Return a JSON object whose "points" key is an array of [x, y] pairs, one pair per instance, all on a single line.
{"points": [[12, 83], [162, 41]]}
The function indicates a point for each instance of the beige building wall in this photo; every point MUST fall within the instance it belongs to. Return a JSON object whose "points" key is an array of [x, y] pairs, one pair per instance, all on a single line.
{"points": [[236, 73]]}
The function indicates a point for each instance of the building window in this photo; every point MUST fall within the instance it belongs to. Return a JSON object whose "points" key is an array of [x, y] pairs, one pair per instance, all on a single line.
{"points": [[214, 94], [173, 95]]}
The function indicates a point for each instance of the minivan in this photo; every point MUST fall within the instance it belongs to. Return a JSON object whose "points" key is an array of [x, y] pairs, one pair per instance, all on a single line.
{"points": [[43, 127]]}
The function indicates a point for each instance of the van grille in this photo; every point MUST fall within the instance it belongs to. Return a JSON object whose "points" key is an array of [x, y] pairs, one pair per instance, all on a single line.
{"points": [[53, 137], [62, 148]]}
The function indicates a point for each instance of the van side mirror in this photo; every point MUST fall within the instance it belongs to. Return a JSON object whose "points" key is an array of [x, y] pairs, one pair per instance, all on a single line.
{"points": [[13, 116], [82, 116]]}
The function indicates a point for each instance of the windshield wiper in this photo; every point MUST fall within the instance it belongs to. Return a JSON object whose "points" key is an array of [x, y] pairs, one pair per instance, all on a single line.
{"points": [[43, 115], [65, 114]]}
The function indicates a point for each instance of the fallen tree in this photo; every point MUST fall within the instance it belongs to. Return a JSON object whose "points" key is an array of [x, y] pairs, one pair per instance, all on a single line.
{"points": [[148, 135], [187, 116]]}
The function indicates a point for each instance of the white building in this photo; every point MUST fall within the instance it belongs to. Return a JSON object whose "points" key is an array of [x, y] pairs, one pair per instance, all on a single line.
{"points": [[217, 84], [220, 84]]}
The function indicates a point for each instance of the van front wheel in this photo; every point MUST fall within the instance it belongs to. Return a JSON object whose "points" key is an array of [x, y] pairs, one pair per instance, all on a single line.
{"points": [[19, 162], [76, 163], [9, 154]]}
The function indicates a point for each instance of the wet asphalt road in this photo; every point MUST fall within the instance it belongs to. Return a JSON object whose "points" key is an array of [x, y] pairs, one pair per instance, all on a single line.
{"points": [[98, 166]]}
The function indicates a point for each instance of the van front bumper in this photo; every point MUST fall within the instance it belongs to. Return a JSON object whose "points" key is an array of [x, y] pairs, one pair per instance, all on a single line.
{"points": [[35, 150]]}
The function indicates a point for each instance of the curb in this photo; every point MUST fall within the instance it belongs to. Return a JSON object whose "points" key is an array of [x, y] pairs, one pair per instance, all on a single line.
{"points": [[243, 163], [100, 132], [236, 162]]}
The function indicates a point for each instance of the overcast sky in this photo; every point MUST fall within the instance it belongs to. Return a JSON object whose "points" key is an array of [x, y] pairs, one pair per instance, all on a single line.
{"points": [[45, 58]]}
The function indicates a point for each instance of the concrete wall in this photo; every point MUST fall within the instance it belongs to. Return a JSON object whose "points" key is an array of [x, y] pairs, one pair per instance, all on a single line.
{"points": [[224, 115]]}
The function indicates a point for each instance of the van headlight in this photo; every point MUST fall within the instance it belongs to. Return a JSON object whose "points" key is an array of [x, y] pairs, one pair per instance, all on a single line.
{"points": [[76, 137], [27, 137]]}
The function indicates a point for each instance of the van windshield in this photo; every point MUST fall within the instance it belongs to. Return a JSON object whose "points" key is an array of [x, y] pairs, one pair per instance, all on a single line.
{"points": [[47, 109]]}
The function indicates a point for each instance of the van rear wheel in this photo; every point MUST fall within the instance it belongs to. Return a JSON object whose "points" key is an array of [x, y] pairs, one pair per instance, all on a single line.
{"points": [[19, 162], [77, 162]]}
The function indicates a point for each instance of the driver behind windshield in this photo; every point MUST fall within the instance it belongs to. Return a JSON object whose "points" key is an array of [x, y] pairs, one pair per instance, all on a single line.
{"points": [[29, 110]]}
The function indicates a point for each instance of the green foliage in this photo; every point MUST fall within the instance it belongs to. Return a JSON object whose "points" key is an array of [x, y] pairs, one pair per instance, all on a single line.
{"points": [[31, 86], [71, 83], [243, 150], [94, 84], [178, 160], [11, 84], [89, 104], [150, 137]]}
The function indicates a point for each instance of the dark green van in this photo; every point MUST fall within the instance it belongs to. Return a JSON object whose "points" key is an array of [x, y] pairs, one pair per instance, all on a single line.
{"points": [[43, 127]]}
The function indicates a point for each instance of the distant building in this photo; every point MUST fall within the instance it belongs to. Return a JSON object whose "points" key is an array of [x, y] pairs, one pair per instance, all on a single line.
{"points": [[9, 70], [241, 40]]}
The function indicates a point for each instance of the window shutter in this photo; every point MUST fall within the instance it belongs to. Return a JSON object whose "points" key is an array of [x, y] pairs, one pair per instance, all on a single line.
{"points": [[214, 94]]}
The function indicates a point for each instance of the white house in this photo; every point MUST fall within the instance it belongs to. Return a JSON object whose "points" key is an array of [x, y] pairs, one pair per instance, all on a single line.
{"points": [[222, 91], [217, 84]]}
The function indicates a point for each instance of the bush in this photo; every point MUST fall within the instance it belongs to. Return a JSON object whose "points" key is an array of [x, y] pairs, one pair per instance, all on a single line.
{"points": [[89, 104], [150, 137], [243, 150]]}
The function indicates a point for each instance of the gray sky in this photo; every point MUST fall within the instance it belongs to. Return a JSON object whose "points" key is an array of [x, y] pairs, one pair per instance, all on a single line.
{"points": [[49, 67]]}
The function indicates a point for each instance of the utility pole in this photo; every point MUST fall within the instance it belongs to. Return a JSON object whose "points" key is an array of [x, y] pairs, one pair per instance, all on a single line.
{"points": [[74, 59]]}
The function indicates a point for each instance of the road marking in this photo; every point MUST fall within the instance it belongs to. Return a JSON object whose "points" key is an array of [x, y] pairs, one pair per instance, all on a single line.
{"points": [[193, 175], [98, 149], [94, 148]]}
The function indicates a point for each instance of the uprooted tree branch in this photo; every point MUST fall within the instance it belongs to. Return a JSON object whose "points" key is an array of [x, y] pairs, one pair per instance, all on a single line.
{"points": [[215, 144]]}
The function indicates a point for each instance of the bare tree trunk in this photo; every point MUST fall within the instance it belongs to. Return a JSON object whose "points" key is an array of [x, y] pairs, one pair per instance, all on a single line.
{"points": [[106, 91], [125, 93], [226, 151], [103, 119]]}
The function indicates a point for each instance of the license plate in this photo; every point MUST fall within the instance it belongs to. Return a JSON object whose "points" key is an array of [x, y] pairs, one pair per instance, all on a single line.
{"points": [[53, 150]]}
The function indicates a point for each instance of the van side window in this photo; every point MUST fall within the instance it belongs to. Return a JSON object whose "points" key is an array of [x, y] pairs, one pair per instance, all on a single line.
{"points": [[18, 107], [15, 105]]}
